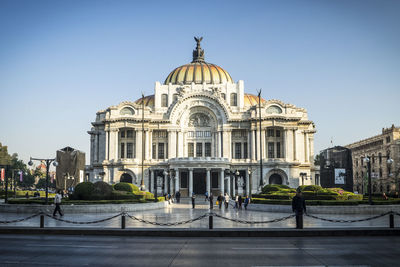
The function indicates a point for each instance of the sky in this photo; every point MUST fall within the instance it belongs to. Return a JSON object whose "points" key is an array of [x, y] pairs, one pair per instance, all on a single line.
{"points": [[62, 61]]}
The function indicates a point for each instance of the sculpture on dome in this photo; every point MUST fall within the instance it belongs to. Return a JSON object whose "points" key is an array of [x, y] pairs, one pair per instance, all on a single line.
{"points": [[198, 54]]}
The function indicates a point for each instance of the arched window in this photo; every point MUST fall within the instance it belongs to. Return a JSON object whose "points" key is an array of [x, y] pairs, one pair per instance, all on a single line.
{"points": [[223, 96], [164, 100], [233, 99], [127, 111]]}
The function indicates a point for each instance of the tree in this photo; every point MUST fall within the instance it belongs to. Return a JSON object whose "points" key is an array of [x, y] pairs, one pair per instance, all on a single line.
{"points": [[317, 160], [42, 183]]}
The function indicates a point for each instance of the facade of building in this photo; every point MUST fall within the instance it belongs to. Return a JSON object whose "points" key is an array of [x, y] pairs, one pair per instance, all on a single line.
{"points": [[336, 168], [379, 148], [200, 132]]}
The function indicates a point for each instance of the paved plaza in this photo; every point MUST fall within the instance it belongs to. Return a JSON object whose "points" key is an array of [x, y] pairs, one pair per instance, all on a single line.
{"points": [[184, 212], [59, 250]]}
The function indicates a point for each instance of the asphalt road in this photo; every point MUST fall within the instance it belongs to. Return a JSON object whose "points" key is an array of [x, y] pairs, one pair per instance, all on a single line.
{"points": [[56, 250]]}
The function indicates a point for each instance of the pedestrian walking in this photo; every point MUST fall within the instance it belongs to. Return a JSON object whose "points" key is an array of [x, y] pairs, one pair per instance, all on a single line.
{"points": [[206, 194], [169, 198], [220, 198], [211, 198], [236, 202], [178, 197], [298, 207], [57, 201], [240, 200], [226, 201], [246, 202], [193, 200]]}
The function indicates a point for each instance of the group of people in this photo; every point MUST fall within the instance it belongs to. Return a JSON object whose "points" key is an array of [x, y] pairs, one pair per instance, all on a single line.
{"points": [[170, 198], [223, 199]]}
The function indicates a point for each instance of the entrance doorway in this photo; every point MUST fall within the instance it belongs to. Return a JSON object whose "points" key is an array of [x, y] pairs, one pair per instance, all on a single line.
{"points": [[275, 179], [126, 178], [199, 182]]}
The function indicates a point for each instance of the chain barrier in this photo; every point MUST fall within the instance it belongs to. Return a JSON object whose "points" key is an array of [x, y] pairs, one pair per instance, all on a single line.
{"points": [[350, 221], [90, 222], [252, 222], [167, 224], [22, 219]]}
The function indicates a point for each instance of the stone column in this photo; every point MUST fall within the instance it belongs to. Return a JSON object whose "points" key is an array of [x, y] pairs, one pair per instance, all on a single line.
{"points": [[311, 147], [180, 145], [147, 155], [286, 145], [219, 145], [190, 182], [264, 145], [294, 145], [222, 181], [106, 156], [139, 144], [306, 159], [151, 189], [96, 147], [171, 185], [228, 185], [116, 142], [257, 133], [177, 186], [150, 144], [165, 183], [208, 182], [252, 145], [247, 184], [171, 144]]}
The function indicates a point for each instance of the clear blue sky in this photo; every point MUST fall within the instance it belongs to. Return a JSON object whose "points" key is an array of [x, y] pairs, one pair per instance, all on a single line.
{"points": [[62, 61]]}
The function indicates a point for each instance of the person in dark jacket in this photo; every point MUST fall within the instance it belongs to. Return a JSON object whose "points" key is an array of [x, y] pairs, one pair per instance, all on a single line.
{"points": [[178, 197], [220, 199], [298, 207], [193, 201]]}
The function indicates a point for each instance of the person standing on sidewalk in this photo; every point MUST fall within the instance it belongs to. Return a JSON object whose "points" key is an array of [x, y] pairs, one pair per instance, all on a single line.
{"points": [[226, 201], [211, 199], [193, 200], [240, 201], [57, 201], [246, 202], [206, 194], [298, 207], [220, 198], [178, 197]]}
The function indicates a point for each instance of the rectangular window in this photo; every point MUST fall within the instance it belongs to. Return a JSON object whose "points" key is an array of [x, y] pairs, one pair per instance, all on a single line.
{"points": [[207, 149], [238, 150], [278, 133], [199, 149], [129, 134], [129, 150], [207, 134], [122, 150], [190, 150], [184, 179], [154, 152], [388, 139], [270, 133], [161, 151], [271, 150], [123, 134], [214, 179], [199, 134], [245, 151], [278, 149]]}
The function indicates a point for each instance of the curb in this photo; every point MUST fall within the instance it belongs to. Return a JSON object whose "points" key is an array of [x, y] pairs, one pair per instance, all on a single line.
{"points": [[185, 232]]}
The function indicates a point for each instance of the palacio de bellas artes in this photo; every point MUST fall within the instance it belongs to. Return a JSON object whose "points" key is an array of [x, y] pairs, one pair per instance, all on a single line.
{"points": [[201, 132]]}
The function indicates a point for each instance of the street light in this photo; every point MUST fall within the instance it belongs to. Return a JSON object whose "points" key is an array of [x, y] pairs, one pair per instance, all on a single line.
{"points": [[48, 162], [368, 161], [249, 171]]}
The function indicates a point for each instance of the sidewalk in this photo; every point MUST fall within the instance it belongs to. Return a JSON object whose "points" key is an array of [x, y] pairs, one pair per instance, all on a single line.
{"points": [[183, 211]]}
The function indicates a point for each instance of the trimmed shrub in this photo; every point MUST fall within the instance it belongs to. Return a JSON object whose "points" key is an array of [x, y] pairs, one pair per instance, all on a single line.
{"points": [[273, 187], [313, 188], [83, 191], [102, 190], [128, 187], [119, 195]]}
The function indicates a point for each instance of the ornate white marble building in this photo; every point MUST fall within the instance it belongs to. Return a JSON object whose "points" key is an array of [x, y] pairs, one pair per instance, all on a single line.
{"points": [[201, 133]]}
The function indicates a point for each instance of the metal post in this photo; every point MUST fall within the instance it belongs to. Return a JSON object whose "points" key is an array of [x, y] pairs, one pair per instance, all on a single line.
{"points": [[41, 221], [391, 220], [369, 182], [210, 221], [123, 221], [142, 182], [47, 180], [261, 152]]}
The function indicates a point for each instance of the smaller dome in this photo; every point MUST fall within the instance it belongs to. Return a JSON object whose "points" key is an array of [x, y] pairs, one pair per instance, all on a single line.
{"points": [[148, 101], [251, 100]]}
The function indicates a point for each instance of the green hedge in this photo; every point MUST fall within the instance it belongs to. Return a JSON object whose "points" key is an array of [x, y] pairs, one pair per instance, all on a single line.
{"points": [[83, 191], [129, 187], [273, 187]]}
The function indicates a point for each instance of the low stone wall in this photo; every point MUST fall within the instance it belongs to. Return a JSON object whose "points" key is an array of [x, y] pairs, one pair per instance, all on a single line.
{"points": [[360, 209], [106, 208]]}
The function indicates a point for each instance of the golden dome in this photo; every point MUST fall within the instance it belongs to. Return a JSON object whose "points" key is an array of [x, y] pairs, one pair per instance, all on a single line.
{"points": [[198, 71], [148, 101], [251, 100]]}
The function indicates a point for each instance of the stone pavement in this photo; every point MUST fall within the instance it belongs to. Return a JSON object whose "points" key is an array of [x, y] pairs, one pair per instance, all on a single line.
{"points": [[183, 211]]}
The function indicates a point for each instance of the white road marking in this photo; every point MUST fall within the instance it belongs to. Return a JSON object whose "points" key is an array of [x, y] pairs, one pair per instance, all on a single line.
{"points": [[71, 246], [261, 248]]}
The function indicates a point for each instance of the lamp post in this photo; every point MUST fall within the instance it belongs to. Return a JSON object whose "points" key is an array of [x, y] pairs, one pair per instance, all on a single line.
{"points": [[367, 160], [142, 187], [249, 171], [48, 162], [303, 174], [259, 115]]}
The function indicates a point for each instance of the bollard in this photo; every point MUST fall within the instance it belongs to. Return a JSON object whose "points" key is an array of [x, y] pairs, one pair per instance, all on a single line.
{"points": [[299, 220], [123, 221], [391, 220], [210, 222], [42, 221]]}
